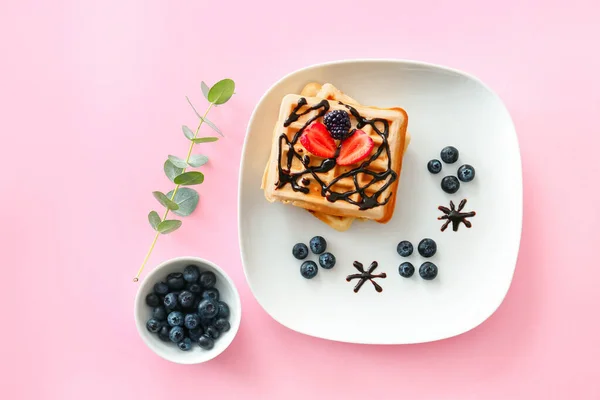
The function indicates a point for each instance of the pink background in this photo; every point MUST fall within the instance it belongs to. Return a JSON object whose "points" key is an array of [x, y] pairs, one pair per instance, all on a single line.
{"points": [[92, 100]]}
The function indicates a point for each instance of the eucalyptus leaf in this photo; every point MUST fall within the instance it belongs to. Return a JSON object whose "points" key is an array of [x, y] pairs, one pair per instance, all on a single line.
{"points": [[213, 126], [205, 89], [178, 162], [168, 226], [221, 91], [206, 120], [193, 108], [197, 160], [171, 171], [154, 219], [187, 199], [205, 139], [187, 132], [190, 178], [165, 201]]}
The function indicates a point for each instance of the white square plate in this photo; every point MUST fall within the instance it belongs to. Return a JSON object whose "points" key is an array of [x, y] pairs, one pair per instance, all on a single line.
{"points": [[476, 266]]}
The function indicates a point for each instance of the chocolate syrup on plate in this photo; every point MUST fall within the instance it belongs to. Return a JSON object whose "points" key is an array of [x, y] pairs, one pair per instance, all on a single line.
{"points": [[366, 276], [364, 201], [455, 216]]}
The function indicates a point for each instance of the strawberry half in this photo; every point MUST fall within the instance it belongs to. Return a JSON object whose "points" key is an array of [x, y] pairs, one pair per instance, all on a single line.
{"points": [[356, 148], [318, 141]]}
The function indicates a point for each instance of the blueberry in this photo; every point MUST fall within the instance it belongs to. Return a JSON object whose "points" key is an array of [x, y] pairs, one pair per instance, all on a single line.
{"points": [[170, 301], [406, 270], [191, 273], [176, 334], [308, 269], [449, 154], [208, 309], [206, 342], [327, 260], [191, 321], [300, 251], [222, 325], [175, 318], [466, 173], [195, 334], [318, 244], [404, 248], [223, 310], [161, 288], [450, 184], [186, 299], [163, 333], [208, 279], [428, 271], [175, 281], [185, 344], [159, 313], [212, 294], [194, 288], [434, 166], [427, 247], [213, 332], [152, 300], [338, 124], [153, 325]]}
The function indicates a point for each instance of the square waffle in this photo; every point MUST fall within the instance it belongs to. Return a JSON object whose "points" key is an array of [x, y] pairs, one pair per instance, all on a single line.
{"points": [[363, 190], [330, 92]]}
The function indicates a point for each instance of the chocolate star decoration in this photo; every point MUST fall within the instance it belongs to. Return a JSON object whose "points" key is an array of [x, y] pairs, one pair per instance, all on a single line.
{"points": [[365, 276], [455, 216]]}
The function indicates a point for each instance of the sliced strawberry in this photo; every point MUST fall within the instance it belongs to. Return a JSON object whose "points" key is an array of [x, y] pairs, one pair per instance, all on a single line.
{"points": [[318, 141], [356, 148]]}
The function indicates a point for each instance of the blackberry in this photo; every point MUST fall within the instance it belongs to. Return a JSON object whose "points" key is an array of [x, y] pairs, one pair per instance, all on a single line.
{"points": [[338, 124]]}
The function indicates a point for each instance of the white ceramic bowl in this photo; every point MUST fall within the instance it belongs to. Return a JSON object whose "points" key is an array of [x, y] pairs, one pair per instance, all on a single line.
{"points": [[169, 351]]}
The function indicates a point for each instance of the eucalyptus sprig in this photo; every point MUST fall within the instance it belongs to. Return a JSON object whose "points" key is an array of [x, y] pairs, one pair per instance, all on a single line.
{"points": [[183, 200]]}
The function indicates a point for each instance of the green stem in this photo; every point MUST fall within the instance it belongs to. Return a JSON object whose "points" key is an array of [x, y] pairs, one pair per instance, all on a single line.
{"points": [[187, 159]]}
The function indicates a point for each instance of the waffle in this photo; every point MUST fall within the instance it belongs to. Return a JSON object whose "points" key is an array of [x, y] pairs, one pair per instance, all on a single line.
{"points": [[343, 192], [330, 92]]}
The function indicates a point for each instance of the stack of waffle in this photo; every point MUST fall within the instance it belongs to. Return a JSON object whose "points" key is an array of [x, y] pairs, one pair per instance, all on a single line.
{"points": [[356, 185]]}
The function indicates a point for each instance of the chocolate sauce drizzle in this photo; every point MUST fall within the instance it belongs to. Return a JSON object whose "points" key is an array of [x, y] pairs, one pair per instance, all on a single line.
{"points": [[364, 201], [366, 276], [455, 216]]}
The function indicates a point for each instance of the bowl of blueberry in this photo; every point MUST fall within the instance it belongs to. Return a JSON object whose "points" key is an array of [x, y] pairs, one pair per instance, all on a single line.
{"points": [[187, 310]]}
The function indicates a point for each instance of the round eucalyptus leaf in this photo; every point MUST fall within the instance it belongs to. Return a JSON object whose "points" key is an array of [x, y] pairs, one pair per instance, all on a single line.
{"points": [[171, 171], [221, 91], [168, 226], [205, 89], [186, 199], [154, 219], [190, 178], [197, 160], [178, 162], [165, 201], [187, 132]]}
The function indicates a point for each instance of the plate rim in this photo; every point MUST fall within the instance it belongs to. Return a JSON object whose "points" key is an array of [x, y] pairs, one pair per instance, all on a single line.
{"points": [[409, 62]]}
